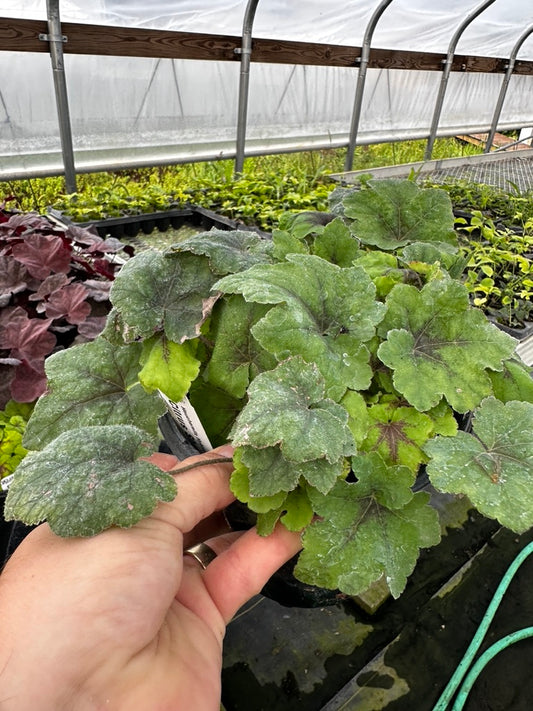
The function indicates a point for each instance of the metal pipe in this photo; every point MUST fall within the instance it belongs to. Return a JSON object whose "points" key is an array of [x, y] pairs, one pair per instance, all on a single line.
{"points": [[245, 51], [55, 39], [510, 145], [504, 87], [447, 67], [361, 77]]}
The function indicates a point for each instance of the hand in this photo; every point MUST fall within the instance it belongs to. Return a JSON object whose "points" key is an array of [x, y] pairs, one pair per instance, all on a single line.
{"points": [[124, 620]]}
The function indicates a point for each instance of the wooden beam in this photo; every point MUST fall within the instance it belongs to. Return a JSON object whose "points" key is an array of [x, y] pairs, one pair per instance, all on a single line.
{"points": [[23, 36]]}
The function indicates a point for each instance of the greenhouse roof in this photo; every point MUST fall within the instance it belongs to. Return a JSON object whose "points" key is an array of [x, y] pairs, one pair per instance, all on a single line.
{"points": [[162, 82]]}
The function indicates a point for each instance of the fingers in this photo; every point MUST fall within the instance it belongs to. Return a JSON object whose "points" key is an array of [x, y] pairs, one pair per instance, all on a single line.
{"points": [[202, 489], [242, 570]]}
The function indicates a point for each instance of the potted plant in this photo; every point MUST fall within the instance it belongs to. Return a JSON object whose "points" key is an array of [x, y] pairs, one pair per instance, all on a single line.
{"points": [[339, 358]]}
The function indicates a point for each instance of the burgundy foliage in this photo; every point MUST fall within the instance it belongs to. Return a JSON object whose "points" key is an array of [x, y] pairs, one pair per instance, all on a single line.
{"points": [[54, 289]]}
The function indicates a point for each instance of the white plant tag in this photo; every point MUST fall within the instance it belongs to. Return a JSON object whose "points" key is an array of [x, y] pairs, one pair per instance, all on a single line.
{"points": [[188, 422], [5, 483]]}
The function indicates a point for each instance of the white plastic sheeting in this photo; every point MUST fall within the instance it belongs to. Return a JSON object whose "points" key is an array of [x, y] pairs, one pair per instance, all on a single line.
{"points": [[127, 111]]}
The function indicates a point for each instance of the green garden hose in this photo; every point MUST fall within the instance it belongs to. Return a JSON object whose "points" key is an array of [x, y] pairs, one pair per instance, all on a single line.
{"points": [[466, 662]]}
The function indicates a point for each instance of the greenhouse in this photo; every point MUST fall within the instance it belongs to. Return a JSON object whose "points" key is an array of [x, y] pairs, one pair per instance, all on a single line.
{"points": [[266, 355]]}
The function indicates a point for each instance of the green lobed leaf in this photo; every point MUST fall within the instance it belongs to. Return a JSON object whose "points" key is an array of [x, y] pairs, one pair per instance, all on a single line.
{"points": [[240, 486], [237, 357], [156, 292], [92, 384], [397, 433], [438, 346], [270, 472], [326, 313], [89, 479], [368, 529], [299, 511], [493, 466], [356, 407], [168, 366], [392, 213], [228, 251], [514, 382], [287, 407], [285, 243], [336, 244]]}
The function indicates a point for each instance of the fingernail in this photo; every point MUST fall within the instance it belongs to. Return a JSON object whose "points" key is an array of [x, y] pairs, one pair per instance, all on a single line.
{"points": [[226, 450]]}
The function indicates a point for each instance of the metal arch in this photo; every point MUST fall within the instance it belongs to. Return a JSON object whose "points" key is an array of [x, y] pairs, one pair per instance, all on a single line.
{"points": [[244, 82], [446, 73], [361, 77], [505, 86], [55, 40]]}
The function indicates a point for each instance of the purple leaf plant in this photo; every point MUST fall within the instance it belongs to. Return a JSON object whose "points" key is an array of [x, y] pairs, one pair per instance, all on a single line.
{"points": [[54, 291]]}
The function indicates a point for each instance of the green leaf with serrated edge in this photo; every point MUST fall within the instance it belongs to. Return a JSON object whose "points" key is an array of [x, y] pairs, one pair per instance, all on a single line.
{"points": [[392, 213], [240, 486], [89, 479], [266, 522], [92, 384], [270, 472], [303, 224], [429, 253], [228, 251], [299, 511], [444, 421], [216, 409], [237, 357], [438, 345], [285, 243], [397, 433], [326, 313], [494, 466], [513, 383], [168, 366], [287, 407], [114, 329], [172, 293], [366, 530], [355, 405], [336, 244]]}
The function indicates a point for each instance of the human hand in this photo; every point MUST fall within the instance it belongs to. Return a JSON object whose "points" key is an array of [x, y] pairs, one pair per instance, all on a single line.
{"points": [[124, 620]]}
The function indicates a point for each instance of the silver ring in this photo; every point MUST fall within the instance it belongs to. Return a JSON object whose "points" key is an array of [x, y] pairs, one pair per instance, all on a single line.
{"points": [[201, 552]]}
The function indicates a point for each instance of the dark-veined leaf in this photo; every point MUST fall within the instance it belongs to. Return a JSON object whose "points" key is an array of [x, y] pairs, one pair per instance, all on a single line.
{"points": [[92, 384], [368, 529], [336, 244], [270, 472], [438, 346], [494, 466], [514, 382], [228, 251], [237, 357], [326, 313], [156, 292], [392, 213], [88, 480], [287, 407], [398, 434]]}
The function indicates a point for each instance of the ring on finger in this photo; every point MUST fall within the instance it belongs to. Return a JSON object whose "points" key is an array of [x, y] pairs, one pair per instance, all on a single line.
{"points": [[201, 552]]}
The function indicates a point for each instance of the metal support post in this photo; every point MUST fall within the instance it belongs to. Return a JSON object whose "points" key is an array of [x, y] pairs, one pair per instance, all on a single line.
{"points": [[361, 78], [447, 67], [504, 87], [55, 39], [244, 83]]}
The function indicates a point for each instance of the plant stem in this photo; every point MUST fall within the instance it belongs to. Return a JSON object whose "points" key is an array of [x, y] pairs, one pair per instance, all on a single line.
{"points": [[215, 460]]}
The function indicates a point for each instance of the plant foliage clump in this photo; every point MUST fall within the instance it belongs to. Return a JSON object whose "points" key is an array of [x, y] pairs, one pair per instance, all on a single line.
{"points": [[54, 287], [336, 357]]}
